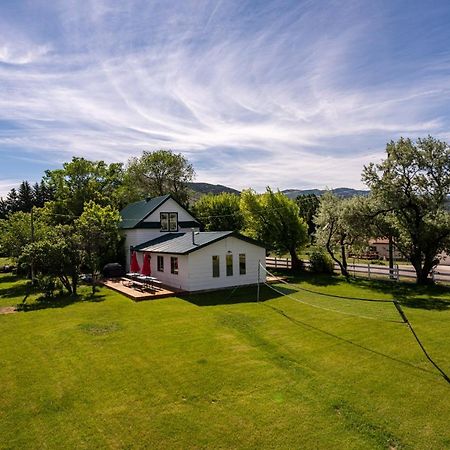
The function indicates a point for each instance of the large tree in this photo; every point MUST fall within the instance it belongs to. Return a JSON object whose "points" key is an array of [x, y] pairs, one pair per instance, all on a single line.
{"points": [[274, 219], [159, 173], [98, 228], [81, 181], [219, 212], [341, 227], [308, 206], [412, 184]]}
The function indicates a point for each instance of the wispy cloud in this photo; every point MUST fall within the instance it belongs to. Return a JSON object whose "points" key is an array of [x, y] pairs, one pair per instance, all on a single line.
{"points": [[279, 93]]}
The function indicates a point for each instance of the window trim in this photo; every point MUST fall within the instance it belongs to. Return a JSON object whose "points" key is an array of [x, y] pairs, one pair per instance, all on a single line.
{"points": [[167, 214]]}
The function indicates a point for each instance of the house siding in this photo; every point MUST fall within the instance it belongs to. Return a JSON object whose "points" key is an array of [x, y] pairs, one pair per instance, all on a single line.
{"points": [[200, 265]]}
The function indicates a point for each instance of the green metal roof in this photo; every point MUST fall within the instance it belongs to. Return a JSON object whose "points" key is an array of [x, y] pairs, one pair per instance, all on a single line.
{"points": [[134, 213], [181, 243]]}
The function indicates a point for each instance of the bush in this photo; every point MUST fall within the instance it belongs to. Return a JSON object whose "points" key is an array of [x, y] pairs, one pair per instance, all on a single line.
{"points": [[320, 262]]}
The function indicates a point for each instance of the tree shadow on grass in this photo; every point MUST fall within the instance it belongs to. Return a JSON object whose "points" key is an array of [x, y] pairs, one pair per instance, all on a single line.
{"points": [[245, 294], [9, 278], [411, 295], [308, 277], [58, 302]]}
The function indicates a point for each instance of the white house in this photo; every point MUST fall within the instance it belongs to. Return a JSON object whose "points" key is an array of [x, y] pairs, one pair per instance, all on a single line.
{"points": [[183, 257]]}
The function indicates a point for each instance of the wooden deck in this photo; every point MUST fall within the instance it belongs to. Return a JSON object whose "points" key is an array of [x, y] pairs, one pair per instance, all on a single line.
{"points": [[138, 295]]}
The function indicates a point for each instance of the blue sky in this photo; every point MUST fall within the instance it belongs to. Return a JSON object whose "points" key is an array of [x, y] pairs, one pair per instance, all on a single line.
{"points": [[284, 93]]}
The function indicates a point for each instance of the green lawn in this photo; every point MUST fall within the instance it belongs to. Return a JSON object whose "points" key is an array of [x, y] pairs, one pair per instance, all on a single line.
{"points": [[214, 371]]}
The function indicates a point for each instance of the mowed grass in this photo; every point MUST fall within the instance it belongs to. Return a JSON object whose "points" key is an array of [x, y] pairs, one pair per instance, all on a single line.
{"points": [[218, 370]]}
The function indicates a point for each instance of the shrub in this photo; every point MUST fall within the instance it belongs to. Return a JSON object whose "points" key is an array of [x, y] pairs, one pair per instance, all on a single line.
{"points": [[320, 262]]}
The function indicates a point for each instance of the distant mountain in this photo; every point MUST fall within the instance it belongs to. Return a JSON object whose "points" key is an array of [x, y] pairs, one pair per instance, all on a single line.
{"points": [[340, 192], [200, 189]]}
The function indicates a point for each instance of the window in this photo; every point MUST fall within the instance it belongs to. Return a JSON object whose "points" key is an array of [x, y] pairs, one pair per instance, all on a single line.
{"points": [[169, 221], [215, 267], [164, 218], [173, 221], [229, 262], [174, 265], [160, 263], [242, 266]]}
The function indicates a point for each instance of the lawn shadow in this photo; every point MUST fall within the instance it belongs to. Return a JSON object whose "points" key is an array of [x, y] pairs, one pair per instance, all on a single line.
{"points": [[411, 295], [9, 278], [311, 278], [245, 294], [59, 302], [19, 290]]}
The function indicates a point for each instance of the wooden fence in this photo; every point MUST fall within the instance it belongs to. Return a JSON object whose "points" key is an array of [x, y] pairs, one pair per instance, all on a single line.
{"points": [[368, 270]]}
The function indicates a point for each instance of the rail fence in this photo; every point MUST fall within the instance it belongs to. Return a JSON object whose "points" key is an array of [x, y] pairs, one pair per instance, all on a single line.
{"points": [[367, 270]]}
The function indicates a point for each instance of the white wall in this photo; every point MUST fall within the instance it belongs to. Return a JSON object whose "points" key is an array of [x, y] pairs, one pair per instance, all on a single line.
{"points": [[200, 265], [135, 237], [179, 281], [170, 206]]}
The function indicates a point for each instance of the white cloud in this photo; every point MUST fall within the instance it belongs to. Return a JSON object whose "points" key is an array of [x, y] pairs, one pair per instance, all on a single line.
{"points": [[281, 100]]}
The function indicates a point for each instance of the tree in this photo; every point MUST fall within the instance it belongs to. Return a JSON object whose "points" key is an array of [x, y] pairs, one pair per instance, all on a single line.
{"points": [[25, 197], [341, 226], [56, 254], [412, 185], [81, 181], [308, 206], [220, 212], [98, 228], [159, 173], [274, 219]]}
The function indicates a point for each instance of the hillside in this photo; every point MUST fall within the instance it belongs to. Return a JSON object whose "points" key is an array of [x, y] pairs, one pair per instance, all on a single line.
{"points": [[340, 192]]}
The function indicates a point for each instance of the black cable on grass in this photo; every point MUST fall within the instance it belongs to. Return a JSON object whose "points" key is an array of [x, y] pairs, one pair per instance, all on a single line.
{"points": [[405, 320]]}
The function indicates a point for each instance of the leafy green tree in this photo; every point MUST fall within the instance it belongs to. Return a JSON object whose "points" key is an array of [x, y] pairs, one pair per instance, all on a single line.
{"points": [[25, 197], [411, 186], [98, 228], [308, 206], [81, 181], [341, 226], [56, 254], [220, 212], [274, 219], [159, 173]]}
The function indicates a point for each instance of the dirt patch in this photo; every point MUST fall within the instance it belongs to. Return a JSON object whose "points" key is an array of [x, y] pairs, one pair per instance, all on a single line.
{"points": [[8, 310]]}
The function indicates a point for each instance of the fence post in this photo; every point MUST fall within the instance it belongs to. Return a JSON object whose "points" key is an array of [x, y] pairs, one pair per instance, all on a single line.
{"points": [[368, 270], [398, 272], [275, 262]]}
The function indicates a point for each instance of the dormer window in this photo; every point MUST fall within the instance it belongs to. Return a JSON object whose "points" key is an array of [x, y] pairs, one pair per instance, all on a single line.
{"points": [[169, 221]]}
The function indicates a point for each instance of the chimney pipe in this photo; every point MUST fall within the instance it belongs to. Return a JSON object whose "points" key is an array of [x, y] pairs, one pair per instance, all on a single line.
{"points": [[193, 236]]}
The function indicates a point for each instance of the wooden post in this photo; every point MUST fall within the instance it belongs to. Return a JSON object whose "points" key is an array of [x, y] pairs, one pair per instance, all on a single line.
{"points": [[259, 277], [368, 270]]}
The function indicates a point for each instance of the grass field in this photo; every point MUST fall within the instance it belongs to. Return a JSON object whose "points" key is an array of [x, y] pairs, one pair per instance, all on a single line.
{"points": [[210, 371]]}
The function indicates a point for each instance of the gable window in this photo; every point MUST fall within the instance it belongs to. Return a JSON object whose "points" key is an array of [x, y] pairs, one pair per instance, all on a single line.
{"points": [[169, 221], [215, 267], [229, 264], [174, 265], [173, 221], [160, 263], [242, 265]]}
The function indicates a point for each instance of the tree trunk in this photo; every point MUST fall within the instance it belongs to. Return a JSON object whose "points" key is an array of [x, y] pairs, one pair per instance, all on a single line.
{"points": [[343, 266], [296, 263]]}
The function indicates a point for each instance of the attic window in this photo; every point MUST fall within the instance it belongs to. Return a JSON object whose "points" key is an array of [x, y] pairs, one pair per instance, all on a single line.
{"points": [[169, 221]]}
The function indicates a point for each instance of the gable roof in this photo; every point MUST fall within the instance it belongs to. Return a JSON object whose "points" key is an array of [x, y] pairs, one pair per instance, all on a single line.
{"points": [[181, 243], [135, 213]]}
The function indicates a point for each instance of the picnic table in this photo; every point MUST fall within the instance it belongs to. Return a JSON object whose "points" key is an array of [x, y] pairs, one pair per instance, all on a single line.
{"points": [[143, 281]]}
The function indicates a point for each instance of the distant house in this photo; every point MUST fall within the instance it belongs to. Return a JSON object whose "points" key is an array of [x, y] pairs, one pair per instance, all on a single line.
{"points": [[183, 257], [381, 247]]}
